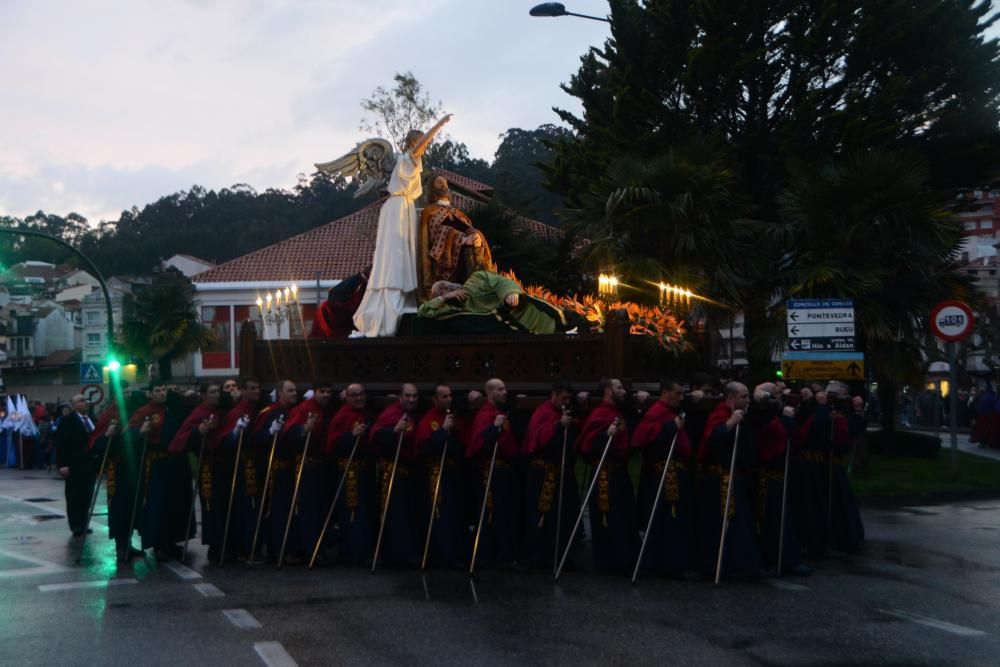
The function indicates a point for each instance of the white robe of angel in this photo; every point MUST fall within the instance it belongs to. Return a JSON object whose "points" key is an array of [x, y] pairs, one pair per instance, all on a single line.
{"points": [[393, 281]]}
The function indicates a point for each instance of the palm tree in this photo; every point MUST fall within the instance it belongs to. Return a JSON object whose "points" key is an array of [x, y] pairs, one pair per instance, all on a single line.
{"points": [[867, 227], [162, 323]]}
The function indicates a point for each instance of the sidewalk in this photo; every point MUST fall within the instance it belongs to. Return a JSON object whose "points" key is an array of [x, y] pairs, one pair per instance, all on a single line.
{"points": [[963, 443]]}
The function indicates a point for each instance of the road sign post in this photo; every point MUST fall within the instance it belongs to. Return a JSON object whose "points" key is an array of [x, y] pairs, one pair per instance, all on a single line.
{"points": [[952, 321]]}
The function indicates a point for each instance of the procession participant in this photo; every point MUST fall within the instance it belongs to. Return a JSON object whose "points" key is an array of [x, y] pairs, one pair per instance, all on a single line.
{"points": [[451, 248], [697, 405], [354, 515], [773, 440], [551, 429], [193, 437], [742, 554], [440, 434], [266, 428], [76, 463], [499, 538], [393, 280], [236, 503], [847, 532], [818, 427], [164, 491], [488, 293], [612, 505], [307, 421], [669, 545], [394, 430]]}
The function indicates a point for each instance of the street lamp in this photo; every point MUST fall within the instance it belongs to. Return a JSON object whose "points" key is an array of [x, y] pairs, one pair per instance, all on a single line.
{"points": [[553, 9]]}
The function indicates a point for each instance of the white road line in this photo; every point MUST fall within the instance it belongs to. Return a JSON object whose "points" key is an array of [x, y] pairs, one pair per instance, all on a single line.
{"points": [[274, 654], [99, 583], [960, 630], [787, 585], [241, 618], [209, 590], [39, 506], [181, 571], [42, 566]]}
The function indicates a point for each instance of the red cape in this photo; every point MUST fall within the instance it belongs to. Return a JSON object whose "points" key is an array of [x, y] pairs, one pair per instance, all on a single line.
{"points": [[263, 415], [652, 423], [157, 412], [179, 443], [388, 419], [840, 435], [102, 425], [431, 422], [720, 415], [541, 427], [244, 407], [772, 439], [335, 319], [300, 414], [508, 447], [599, 420], [343, 422]]}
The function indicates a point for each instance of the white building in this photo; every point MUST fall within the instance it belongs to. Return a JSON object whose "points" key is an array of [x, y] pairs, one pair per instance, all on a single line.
{"points": [[188, 265]]}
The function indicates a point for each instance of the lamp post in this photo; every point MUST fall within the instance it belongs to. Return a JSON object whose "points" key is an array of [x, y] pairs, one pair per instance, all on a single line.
{"points": [[553, 9], [89, 264]]}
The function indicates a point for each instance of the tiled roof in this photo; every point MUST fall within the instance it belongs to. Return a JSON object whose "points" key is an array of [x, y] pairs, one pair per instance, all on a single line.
{"points": [[463, 181], [337, 249], [62, 358]]}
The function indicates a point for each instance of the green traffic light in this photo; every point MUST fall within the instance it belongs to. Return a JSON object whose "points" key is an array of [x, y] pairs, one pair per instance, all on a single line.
{"points": [[114, 365], [779, 373]]}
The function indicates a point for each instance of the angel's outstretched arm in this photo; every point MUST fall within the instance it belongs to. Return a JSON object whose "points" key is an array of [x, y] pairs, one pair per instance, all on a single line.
{"points": [[425, 141]]}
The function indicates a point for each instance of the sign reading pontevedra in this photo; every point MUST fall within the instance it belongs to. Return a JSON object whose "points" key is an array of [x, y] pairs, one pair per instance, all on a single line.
{"points": [[823, 365], [820, 325]]}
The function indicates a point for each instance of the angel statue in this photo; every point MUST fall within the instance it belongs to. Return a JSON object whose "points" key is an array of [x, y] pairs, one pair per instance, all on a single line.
{"points": [[393, 281]]}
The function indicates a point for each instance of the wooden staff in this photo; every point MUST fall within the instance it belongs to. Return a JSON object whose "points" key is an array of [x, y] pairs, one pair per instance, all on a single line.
{"points": [[139, 477], [559, 502], [388, 497], [725, 509], [263, 491], [93, 498], [295, 497], [482, 511], [586, 499], [656, 506], [333, 503], [434, 502], [194, 493], [232, 490], [784, 504]]}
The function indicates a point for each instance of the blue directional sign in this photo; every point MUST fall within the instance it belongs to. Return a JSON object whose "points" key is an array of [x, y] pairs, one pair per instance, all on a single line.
{"points": [[91, 373], [819, 325]]}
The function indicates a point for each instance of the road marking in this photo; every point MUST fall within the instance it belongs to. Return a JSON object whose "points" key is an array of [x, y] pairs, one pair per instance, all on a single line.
{"points": [[44, 508], [787, 585], [99, 583], [209, 590], [241, 618], [274, 654], [42, 566], [181, 571], [960, 630]]}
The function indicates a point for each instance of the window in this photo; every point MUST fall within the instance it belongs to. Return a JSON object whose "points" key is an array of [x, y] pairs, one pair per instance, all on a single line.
{"points": [[93, 318], [986, 224], [218, 354], [969, 225], [93, 340]]}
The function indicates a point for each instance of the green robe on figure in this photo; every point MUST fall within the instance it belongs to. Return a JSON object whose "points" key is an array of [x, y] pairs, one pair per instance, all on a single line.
{"points": [[487, 292]]}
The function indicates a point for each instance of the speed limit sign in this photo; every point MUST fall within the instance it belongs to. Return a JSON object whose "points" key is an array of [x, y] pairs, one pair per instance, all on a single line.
{"points": [[952, 320]]}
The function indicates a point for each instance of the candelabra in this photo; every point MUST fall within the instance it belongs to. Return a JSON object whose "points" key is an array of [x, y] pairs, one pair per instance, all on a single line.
{"points": [[607, 286], [277, 309], [674, 295]]}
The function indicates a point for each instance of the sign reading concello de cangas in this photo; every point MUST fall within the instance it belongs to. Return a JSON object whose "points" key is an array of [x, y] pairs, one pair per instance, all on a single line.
{"points": [[823, 365]]}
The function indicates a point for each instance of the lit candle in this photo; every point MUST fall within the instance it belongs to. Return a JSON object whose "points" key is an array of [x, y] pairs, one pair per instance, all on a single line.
{"points": [[277, 298], [269, 301], [286, 297], [295, 293], [260, 305]]}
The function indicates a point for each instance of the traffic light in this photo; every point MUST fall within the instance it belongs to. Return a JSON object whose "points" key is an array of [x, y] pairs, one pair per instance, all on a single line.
{"points": [[114, 365], [779, 374]]}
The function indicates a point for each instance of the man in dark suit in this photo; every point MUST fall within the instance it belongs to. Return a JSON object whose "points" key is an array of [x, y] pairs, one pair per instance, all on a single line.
{"points": [[76, 463]]}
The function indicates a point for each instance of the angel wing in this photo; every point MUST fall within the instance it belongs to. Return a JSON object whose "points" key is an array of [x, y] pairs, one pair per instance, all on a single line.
{"points": [[371, 162]]}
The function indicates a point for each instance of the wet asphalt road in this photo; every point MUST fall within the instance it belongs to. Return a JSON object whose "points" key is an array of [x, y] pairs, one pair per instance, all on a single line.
{"points": [[926, 591]]}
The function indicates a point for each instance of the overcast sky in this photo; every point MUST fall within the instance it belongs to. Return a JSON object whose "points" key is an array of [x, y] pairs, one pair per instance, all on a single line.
{"points": [[111, 104]]}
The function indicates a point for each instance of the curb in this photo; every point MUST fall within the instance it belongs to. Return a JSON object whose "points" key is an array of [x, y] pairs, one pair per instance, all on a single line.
{"points": [[928, 498]]}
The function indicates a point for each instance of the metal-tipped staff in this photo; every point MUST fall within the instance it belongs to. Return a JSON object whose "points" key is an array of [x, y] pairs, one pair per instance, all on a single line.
{"points": [[656, 506], [139, 478], [93, 498], [295, 498], [242, 424], [434, 501], [333, 503], [194, 494], [263, 491], [586, 499], [559, 501], [784, 504], [388, 497], [725, 509]]}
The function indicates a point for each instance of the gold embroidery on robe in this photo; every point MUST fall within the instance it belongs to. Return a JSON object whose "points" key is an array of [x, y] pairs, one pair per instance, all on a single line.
{"points": [[548, 490], [205, 481], [433, 480], [112, 480]]}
